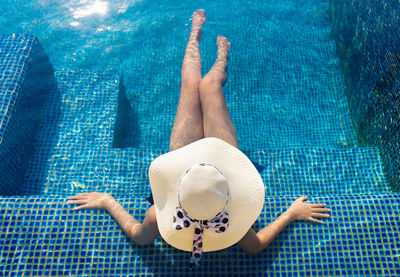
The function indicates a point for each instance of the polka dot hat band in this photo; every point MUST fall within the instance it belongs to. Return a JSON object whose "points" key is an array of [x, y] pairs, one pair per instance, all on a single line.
{"points": [[218, 224]]}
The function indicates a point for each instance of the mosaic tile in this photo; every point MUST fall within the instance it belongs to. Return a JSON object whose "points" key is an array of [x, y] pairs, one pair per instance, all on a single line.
{"points": [[366, 34], [22, 60], [43, 236], [321, 171], [76, 131], [311, 171]]}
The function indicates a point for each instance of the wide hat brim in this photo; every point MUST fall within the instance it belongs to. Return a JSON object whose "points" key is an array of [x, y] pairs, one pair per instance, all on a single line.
{"points": [[246, 191]]}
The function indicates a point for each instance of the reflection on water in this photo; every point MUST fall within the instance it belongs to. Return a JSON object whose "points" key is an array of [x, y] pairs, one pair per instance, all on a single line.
{"points": [[92, 8], [85, 13]]}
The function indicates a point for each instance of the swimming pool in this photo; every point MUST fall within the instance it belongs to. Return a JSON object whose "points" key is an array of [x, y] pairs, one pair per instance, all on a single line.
{"points": [[293, 93]]}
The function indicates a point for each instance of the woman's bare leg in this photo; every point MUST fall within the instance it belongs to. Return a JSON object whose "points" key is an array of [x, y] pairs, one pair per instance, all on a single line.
{"points": [[188, 124], [216, 120]]}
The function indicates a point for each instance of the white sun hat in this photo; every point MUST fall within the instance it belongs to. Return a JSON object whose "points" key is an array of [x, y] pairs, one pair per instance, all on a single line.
{"points": [[211, 182]]}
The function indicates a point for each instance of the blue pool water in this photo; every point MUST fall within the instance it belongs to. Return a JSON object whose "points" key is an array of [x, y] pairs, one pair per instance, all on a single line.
{"points": [[294, 79], [285, 86]]}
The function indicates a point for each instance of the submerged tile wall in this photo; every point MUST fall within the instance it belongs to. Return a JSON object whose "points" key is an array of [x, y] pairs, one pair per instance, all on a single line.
{"points": [[368, 43], [25, 76]]}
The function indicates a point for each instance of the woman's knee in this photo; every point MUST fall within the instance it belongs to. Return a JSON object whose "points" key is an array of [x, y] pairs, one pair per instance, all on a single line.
{"points": [[191, 84], [184, 135], [209, 84]]}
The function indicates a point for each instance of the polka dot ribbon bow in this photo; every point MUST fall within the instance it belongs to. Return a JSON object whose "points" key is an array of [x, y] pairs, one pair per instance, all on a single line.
{"points": [[218, 224]]}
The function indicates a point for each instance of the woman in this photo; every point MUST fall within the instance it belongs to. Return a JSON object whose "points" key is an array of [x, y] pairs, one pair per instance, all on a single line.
{"points": [[205, 189]]}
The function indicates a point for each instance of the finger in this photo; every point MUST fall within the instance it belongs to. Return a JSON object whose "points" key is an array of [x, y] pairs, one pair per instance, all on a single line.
{"points": [[315, 220], [86, 206], [83, 194], [321, 210], [74, 197], [78, 197], [303, 198], [320, 205], [77, 202], [320, 215]]}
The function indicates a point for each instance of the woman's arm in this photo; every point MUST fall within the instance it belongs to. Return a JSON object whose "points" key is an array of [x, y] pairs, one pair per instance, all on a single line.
{"points": [[254, 242], [142, 234]]}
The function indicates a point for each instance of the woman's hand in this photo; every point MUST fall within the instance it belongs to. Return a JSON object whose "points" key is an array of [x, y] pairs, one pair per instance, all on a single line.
{"points": [[90, 200], [307, 211]]}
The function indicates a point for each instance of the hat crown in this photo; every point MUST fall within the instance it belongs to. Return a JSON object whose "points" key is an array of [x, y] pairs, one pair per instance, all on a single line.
{"points": [[203, 191]]}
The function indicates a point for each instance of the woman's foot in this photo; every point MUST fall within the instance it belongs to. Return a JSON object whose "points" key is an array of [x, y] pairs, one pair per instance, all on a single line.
{"points": [[218, 71], [224, 47], [198, 19], [191, 66]]}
